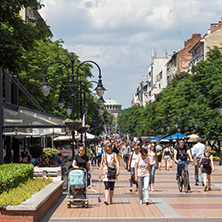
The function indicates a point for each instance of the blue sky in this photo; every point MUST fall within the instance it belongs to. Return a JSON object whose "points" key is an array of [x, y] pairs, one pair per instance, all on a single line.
{"points": [[120, 35]]}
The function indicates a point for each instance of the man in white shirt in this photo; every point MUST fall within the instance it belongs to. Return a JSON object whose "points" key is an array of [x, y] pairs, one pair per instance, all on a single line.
{"points": [[125, 154], [198, 149]]}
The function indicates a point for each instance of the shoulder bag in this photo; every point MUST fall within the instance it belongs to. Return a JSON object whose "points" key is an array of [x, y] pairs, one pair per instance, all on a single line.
{"points": [[111, 172]]}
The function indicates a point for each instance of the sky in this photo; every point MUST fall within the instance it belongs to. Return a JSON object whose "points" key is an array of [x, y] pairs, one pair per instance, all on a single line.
{"points": [[120, 35]]}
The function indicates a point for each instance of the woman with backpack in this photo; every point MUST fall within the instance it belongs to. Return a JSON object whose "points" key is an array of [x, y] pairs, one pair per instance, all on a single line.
{"points": [[208, 165]]}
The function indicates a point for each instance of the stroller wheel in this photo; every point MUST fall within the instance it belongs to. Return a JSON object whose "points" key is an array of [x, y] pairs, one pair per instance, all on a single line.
{"points": [[69, 205], [86, 205]]}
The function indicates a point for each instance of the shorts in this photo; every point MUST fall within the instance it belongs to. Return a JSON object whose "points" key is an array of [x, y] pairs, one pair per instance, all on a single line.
{"points": [[159, 157], [109, 185], [166, 158]]}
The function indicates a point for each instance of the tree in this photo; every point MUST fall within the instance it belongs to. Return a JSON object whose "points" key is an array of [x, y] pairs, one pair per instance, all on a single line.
{"points": [[16, 35], [188, 99]]}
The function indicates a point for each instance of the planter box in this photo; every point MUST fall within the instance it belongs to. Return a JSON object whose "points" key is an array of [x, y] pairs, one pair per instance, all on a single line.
{"points": [[72, 126], [83, 129], [34, 208]]}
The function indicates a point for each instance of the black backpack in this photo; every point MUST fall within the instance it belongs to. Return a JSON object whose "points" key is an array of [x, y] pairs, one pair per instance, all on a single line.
{"points": [[206, 161]]}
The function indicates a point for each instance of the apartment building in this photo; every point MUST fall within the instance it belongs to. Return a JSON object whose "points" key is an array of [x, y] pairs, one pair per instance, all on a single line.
{"points": [[181, 59], [209, 40], [162, 70]]}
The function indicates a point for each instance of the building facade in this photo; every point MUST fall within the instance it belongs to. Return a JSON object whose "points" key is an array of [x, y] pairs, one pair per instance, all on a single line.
{"points": [[113, 107]]}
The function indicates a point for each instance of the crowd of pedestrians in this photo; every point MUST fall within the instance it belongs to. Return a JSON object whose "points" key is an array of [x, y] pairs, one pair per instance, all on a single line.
{"points": [[143, 159]]}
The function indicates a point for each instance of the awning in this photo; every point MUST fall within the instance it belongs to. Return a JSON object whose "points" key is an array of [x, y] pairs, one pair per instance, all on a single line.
{"points": [[20, 121], [89, 136], [174, 137]]}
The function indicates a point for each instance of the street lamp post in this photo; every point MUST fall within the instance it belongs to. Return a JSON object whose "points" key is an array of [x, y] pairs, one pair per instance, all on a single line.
{"points": [[46, 90], [74, 90], [84, 102]]}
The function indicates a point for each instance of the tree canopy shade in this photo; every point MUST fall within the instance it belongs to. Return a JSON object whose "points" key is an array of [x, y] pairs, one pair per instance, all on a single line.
{"points": [[17, 36], [190, 100], [25, 50]]}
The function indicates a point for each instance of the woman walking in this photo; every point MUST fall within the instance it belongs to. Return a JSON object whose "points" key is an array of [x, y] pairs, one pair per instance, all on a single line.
{"points": [[208, 165], [131, 164], [143, 175], [167, 155], [109, 159], [152, 154]]}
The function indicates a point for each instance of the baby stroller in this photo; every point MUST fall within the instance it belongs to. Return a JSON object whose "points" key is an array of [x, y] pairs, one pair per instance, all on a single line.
{"points": [[77, 188]]}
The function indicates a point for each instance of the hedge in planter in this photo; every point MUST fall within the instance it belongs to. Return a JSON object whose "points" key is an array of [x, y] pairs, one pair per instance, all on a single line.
{"points": [[12, 174]]}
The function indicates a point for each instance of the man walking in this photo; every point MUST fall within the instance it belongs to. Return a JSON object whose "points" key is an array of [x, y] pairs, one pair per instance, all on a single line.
{"points": [[125, 154], [197, 150]]}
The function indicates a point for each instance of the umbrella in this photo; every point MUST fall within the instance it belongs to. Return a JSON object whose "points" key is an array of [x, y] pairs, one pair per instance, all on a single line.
{"points": [[192, 137], [174, 137], [65, 138]]}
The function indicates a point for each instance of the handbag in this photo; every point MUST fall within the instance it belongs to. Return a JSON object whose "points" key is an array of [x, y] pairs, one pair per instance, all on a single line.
{"points": [[132, 179], [111, 172]]}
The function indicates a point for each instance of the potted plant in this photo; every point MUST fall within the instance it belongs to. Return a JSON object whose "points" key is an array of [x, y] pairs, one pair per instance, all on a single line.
{"points": [[83, 129], [73, 124]]}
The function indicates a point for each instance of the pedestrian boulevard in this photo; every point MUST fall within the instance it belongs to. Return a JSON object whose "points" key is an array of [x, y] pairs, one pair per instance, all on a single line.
{"points": [[166, 202]]}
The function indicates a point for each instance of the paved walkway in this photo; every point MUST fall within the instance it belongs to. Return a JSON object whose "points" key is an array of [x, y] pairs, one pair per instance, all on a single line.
{"points": [[166, 202]]}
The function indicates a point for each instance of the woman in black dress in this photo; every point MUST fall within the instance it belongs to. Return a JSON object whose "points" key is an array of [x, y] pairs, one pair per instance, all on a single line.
{"points": [[208, 165]]}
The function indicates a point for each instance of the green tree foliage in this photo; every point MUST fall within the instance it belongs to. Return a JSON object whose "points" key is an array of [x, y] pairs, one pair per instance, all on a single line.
{"points": [[16, 35], [190, 99], [33, 76], [129, 120]]}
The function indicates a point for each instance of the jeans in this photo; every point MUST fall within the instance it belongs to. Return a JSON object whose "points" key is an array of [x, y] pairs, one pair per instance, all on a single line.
{"points": [[196, 171], [131, 173], [144, 182], [179, 168], [153, 169]]}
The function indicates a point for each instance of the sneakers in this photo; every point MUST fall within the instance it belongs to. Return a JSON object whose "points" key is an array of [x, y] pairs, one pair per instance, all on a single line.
{"points": [[131, 189], [209, 189], [189, 187], [141, 202], [196, 184], [152, 189], [106, 203], [205, 188]]}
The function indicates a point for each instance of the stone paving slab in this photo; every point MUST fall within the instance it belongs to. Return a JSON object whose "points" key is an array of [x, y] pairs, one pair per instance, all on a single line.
{"points": [[167, 203]]}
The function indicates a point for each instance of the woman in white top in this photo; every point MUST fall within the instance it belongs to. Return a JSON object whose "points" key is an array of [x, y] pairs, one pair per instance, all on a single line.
{"points": [[143, 175], [152, 154], [131, 164], [109, 159]]}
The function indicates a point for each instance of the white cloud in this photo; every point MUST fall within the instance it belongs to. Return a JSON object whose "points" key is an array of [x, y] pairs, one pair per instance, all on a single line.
{"points": [[120, 34]]}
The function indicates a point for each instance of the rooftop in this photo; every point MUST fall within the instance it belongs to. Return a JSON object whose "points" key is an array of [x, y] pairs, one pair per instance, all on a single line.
{"points": [[111, 102]]}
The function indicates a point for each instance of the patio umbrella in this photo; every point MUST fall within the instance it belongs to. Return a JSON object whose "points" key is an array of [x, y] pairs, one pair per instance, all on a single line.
{"points": [[174, 137], [192, 137]]}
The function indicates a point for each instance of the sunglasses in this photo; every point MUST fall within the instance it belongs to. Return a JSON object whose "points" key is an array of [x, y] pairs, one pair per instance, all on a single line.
{"points": [[135, 148]]}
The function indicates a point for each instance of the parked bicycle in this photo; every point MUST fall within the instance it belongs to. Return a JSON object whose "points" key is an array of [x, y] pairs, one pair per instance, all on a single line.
{"points": [[183, 181]]}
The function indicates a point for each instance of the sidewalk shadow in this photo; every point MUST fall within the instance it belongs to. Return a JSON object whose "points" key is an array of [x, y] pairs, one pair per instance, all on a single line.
{"points": [[51, 211]]}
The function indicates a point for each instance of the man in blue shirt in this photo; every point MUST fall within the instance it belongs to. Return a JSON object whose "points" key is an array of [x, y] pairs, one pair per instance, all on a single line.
{"points": [[58, 159]]}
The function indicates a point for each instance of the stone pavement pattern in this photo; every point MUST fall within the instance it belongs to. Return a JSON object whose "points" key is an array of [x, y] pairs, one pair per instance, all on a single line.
{"points": [[166, 202]]}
